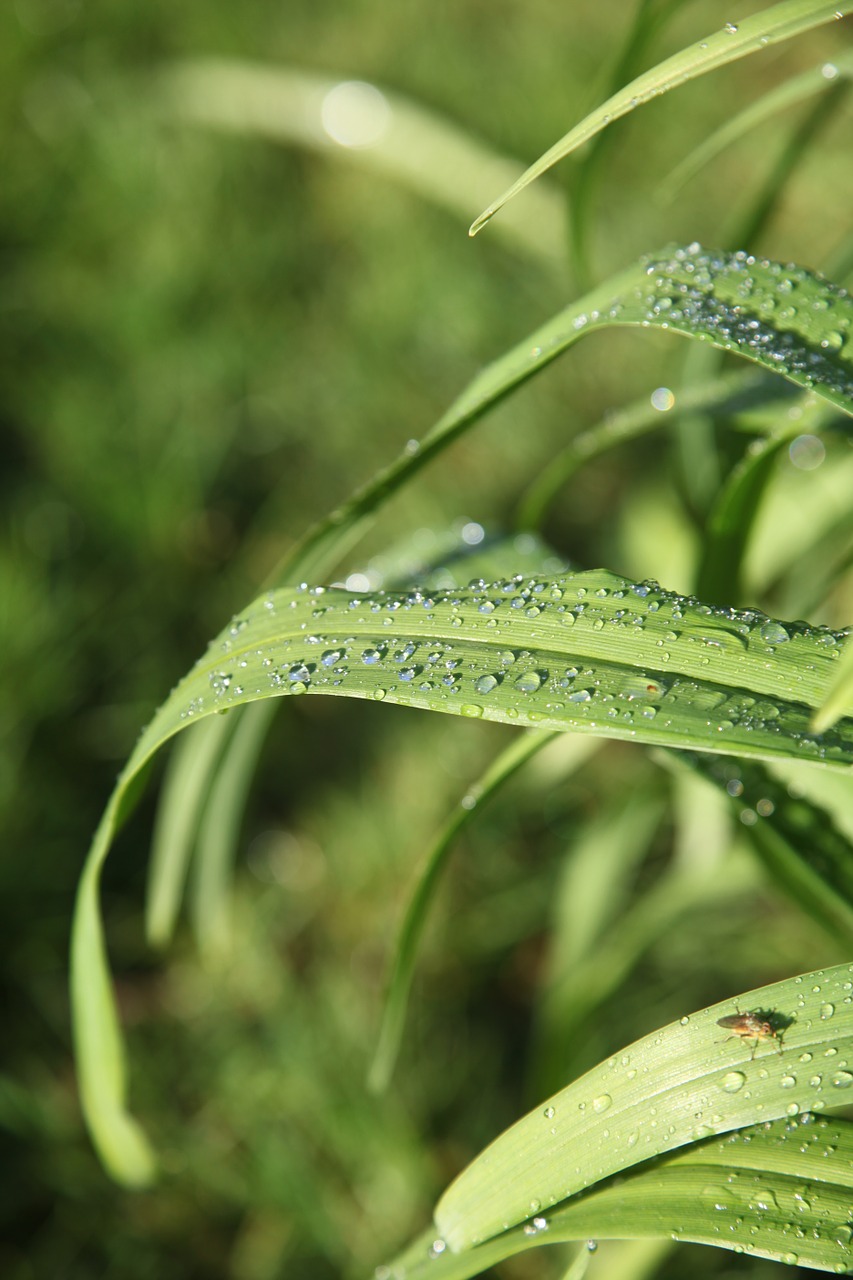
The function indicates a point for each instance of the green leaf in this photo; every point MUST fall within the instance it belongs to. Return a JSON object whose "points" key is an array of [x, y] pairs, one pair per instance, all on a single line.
{"points": [[786, 319], [181, 807], [840, 695], [688, 1081], [778, 1190], [391, 1030], [399, 140], [769, 26], [726, 394], [788, 94], [805, 853]]}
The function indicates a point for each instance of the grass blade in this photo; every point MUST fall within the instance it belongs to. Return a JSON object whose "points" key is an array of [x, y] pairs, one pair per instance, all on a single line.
{"points": [[218, 830], [840, 694], [178, 816], [676, 1086], [790, 93], [770, 26], [394, 1013], [722, 395], [399, 140], [766, 1191], [729, 300]]}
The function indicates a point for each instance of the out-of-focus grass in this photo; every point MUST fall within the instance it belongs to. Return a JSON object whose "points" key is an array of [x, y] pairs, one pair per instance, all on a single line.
{"points": [[205, 342]]}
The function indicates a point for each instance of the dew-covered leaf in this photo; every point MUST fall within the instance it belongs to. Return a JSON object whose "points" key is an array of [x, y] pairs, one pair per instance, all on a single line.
{"points": [[688, 1081], [778, 1190], [734, 40], [590, 652]]}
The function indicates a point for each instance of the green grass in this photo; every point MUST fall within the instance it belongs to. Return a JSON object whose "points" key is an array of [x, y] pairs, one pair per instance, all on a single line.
{"points": [[223, 321]]}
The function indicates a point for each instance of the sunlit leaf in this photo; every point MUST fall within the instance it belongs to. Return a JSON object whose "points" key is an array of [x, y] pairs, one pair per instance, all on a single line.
{"points": [[733, 41], [687, 1081]]}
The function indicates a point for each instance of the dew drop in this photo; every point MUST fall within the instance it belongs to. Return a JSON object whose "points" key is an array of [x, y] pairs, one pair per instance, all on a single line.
{"points": [[485, 684], [774, 633], [471, 709], [529, 682], [604, 1101], [842, 1079], [826, 1011], [733, 1081]]}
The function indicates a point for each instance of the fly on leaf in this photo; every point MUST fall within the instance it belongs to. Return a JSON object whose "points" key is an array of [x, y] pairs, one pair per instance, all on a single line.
{"points": [[757, 1025]]}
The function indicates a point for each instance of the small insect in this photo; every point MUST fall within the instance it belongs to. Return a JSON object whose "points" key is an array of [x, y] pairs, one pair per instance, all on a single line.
{"points": [[758, 1025]]}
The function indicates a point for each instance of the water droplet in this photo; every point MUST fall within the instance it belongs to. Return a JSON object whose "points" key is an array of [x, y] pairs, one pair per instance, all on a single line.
{"points": [[371, 656], [529, 682], [548, 1113], [471, 709], [826, 1011], [842, 1079], [733, 1081], [535, 1226], [485, 684], [730, 28], [788, 1082], [602, 1102], [774, 633], [378, 694]]}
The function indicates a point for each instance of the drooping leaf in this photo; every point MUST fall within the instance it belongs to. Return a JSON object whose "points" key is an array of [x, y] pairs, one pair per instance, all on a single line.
{"points": [[735, 40]]}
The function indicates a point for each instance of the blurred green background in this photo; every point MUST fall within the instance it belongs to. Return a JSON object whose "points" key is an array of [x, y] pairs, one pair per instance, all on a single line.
{"points": [[208, 340]]}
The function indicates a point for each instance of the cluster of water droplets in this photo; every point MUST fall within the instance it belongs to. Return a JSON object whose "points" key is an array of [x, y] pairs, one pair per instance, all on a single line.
{"points": [[592, 647], [783, 316]]}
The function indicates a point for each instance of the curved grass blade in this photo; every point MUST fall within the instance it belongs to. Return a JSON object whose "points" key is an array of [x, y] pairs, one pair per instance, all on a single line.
{"points": [[394, 1013], [590, 652], [369, 128], [219, 827], [790, 93], [586, 651], [784, 318], [778, 1190], [179, 813], [724, 395], [649, 19], [748, 226], [731, 519], [770, 26], [687, 1081], [99, 1049]]}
